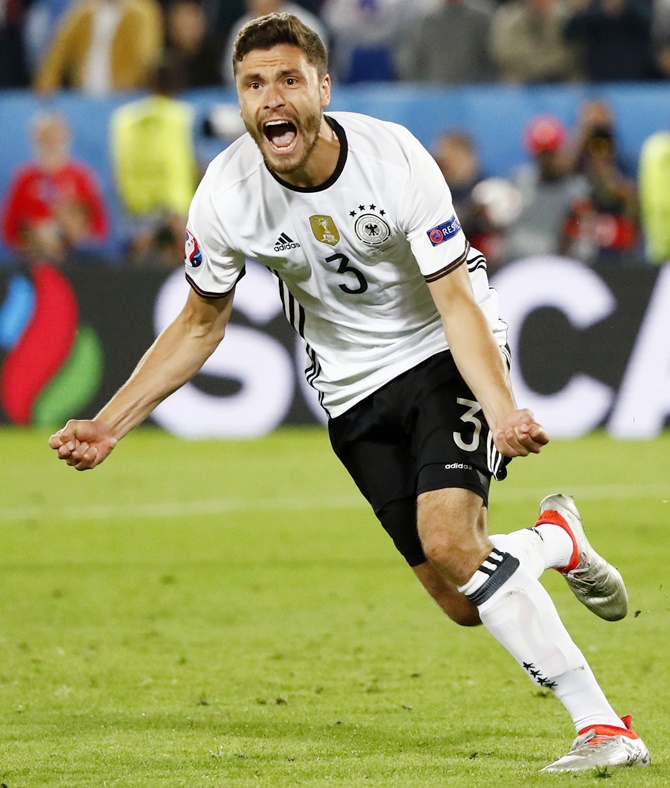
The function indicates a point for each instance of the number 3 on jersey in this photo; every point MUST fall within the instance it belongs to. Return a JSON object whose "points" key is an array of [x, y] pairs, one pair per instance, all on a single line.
{"points": [[345, 268], [469, 417]]}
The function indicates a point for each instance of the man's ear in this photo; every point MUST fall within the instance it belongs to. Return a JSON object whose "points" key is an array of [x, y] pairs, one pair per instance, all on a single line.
{"points": [[325, 91]]}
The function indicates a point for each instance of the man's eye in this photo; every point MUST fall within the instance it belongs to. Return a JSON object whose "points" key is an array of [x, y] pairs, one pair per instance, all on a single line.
{"points": [[291, 81]]}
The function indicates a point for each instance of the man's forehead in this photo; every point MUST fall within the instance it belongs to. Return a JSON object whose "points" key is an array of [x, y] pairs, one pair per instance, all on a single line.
{"points": [[283, 57]]}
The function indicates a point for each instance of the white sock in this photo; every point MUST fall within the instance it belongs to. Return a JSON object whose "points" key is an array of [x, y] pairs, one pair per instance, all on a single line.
{"points": [[558, 545], [515, 608], [527, 546], [542, 547]]}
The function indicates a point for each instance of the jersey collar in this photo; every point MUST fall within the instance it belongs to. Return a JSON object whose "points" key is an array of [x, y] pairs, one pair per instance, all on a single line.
{"points": [[341, 161]]}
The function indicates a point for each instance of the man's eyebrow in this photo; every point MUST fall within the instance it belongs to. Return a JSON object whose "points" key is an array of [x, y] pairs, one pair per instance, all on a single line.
{"points": [[285, 72]]}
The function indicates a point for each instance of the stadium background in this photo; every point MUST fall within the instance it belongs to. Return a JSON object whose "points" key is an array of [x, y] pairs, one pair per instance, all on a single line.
{"points": [[495, 116], [589, 342]]}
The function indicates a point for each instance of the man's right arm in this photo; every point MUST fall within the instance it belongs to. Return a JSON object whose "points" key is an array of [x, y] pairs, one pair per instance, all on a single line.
{"points": [[174, 358]]}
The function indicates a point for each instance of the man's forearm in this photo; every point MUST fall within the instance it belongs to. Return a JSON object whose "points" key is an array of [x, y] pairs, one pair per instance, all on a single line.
{"points": [[174, 358], [473, 346], [481, 363]]}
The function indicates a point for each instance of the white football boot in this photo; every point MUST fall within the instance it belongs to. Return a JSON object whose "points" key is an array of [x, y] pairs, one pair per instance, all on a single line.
{"points": [[596, 584], [602, 746]]}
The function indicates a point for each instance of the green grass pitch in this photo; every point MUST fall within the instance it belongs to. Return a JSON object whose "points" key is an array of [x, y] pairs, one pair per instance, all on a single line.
{"points": [[231, 614]]}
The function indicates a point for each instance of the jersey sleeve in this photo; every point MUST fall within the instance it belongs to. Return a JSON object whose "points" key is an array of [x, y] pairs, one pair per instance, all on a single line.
{"points": [[213, 267], [428, 216]]}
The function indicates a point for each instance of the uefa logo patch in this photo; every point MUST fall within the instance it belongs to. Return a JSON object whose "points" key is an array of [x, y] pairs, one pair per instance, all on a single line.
{"points": [[193, 253], [443, 232]]}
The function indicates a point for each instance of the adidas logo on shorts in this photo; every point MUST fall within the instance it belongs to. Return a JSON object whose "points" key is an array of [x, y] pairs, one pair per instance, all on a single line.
{"points": [[284, 243], [460, 466]]}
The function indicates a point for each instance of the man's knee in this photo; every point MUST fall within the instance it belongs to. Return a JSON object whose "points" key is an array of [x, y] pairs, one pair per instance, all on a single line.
{"points": [[459, 609], [457, 562], [452, 527], [443, 549]]}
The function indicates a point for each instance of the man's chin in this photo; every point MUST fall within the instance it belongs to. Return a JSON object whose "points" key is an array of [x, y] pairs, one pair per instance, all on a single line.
{"points": [[282, 163]]}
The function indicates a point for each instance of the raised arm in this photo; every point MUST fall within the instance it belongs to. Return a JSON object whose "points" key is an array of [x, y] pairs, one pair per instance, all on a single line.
{"points": [[174, 358], [482, 365]]}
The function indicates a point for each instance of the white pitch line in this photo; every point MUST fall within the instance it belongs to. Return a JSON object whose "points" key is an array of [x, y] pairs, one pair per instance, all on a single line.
{"points": [[166, 510], [163, 510]]}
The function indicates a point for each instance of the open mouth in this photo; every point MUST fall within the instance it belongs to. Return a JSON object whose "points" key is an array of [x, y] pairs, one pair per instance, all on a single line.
{"points": [[281, 134]]}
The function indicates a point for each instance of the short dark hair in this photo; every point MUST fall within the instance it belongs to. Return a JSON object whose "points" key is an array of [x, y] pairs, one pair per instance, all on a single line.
{"points": [[272, 30]]}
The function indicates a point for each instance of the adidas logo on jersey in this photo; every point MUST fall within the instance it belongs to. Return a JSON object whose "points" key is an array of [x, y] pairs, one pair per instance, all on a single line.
{"points": [[284, 243]]}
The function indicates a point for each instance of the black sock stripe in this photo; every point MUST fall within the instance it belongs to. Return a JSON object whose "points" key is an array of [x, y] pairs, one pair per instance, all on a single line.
{"points": [[497, 579], [492, 562]]}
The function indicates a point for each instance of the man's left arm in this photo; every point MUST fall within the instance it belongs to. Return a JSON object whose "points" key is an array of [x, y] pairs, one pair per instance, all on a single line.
{"points": [[482, 365]]}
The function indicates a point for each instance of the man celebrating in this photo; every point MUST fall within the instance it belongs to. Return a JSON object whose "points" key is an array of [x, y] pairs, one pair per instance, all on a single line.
{"points": [[407, 353]]}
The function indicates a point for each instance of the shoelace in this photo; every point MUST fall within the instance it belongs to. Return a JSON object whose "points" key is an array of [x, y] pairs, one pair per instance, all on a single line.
{"points": [[599, 738], [590, 739]]}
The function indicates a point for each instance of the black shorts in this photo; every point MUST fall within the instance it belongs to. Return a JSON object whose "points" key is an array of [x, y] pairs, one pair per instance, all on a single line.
{"points": [[421, 431]]}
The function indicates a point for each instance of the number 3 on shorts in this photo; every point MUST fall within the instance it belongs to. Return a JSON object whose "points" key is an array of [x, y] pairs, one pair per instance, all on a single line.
{"points": [[469, 417]]}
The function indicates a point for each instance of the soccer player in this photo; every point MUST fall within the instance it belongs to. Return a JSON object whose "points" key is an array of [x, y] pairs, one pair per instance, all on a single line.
{"points": [[407, 352]]}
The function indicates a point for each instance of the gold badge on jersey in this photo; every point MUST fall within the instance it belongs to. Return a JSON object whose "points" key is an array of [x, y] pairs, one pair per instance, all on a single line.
{"points": [[324, 230]]}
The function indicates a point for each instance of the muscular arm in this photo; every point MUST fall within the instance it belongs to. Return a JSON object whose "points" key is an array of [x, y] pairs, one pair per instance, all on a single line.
{"points": [[482, 365], [174, 358]]}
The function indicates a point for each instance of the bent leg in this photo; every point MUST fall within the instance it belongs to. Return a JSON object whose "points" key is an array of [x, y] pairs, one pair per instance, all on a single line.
{"points": [[513, 605], [452, 528], [455, 604]]}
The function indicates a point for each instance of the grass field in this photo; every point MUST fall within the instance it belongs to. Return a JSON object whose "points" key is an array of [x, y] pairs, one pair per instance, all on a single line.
{"points": [[230, 614]]}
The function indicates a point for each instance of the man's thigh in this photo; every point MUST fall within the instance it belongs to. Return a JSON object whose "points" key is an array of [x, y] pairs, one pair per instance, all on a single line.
{"points": [[450, 440], [378, 459], [418, 433]]}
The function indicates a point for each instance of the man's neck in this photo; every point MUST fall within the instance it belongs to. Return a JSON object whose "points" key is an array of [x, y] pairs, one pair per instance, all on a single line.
{"points": [[322, 161]]}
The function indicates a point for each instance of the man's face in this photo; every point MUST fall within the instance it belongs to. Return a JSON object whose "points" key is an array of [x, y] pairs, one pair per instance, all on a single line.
{"points": [[281, 103], [51, 140]]}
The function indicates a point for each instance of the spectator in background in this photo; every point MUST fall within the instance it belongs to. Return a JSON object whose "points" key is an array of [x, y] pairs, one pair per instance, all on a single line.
{"points": [[54, 207], [197, 54], [615, 36], [595, 115], [222, 16], [103, 47], [527, 42], [603, 227], [155, 168], [13, 68], [366, 36], [661, 37], [449, 45], [548, 190], [654, 190], [592, 114], [257, 8], [457, 157], [42, 20]]}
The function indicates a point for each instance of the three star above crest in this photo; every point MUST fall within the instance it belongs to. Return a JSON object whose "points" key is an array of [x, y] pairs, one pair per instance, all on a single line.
{"points": [[371, 207]]}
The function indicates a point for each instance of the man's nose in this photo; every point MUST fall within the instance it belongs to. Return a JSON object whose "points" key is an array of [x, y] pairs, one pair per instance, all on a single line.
{"points": [[273, 97]]}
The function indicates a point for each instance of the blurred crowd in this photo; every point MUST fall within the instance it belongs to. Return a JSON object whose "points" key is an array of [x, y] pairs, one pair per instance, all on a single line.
{"points": [[576, 195], [103, 46]]}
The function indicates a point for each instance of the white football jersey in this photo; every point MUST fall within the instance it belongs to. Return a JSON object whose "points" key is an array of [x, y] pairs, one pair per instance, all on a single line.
{"points": [[352, 255]]}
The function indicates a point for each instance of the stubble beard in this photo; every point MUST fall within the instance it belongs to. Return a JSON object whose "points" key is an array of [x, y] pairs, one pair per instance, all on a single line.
{"points": [[308, 131]]}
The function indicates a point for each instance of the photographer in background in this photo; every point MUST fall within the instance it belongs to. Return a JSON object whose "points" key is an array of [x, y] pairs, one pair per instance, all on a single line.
{"points": [[604, 226]]}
